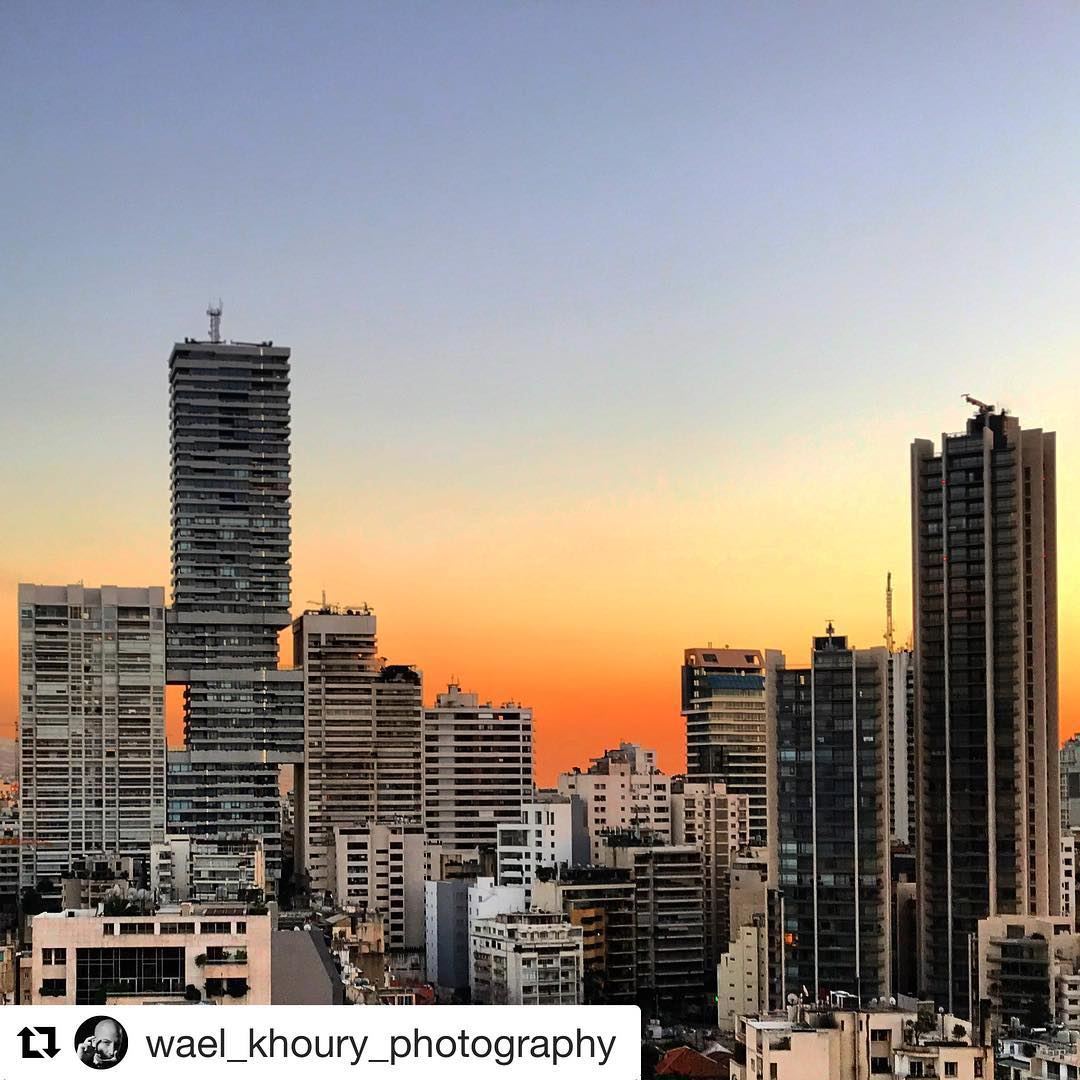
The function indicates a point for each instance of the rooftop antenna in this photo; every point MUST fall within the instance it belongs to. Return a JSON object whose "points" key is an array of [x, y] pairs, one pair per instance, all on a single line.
{"points": [[830, 629], [214, 311], [890, 638]]}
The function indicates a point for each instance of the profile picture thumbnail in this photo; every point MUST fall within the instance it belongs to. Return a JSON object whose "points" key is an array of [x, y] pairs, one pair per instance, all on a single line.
{"points": [[101, 1042]]}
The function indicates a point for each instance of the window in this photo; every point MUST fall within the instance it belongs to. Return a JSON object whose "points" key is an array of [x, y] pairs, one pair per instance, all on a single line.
{"points": [[978, 1067], [53, 987], [50, 957], [950, 1068]]}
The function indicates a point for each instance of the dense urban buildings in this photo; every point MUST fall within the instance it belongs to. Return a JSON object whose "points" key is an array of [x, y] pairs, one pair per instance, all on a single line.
{"points": [[551, 831], [723, 707], [984, 566], [231, 540], [91, 724], [830, 817], [478, 768]]}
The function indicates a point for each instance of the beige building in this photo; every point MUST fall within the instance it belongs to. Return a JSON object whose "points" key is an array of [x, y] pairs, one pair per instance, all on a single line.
{"points": [[83, 958], [207, 869], [717, 822], [380, 867], [1029, 968], [839, 1044], [623, 789]]}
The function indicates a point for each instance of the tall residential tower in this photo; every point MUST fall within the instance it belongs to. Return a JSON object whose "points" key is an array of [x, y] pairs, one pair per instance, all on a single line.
{"points": [[243, 716], [984, 555], [91, 724], [723, 704]]}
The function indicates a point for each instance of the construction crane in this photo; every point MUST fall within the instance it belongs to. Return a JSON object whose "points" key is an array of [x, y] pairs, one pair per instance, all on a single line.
{"points": [[980, 405]]}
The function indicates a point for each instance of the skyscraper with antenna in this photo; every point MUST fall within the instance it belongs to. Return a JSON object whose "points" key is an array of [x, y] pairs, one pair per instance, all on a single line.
{"points": [[231, 541]]}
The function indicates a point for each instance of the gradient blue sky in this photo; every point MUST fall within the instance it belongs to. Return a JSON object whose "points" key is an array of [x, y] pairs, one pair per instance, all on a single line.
{"points": [[611, 322]]}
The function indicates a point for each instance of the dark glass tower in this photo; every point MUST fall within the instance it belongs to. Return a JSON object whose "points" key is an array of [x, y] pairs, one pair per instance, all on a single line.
{"points": [[984, 557], [829, 810]]}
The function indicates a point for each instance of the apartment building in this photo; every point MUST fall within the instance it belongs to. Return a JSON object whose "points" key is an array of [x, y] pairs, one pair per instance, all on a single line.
{"points": [[551, 832], [91, 724], [478, 768], [526, 959], [622, 789], [380, 867], [362, 735], [723, 708], [717, 822], [984, 563]]}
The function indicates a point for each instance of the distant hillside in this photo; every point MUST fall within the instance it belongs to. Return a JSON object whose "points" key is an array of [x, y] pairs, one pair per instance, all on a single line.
{"points": [[9, 759]]}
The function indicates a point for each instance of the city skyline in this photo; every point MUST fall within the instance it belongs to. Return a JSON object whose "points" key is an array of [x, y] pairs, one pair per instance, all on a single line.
{"points": [[580, 308]]}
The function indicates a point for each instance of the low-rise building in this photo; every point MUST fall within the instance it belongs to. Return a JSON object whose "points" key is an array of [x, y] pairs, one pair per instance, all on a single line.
{"points": [[847, 1044], [208, 869], [219, 953], [526, 959], [1028, 970]]}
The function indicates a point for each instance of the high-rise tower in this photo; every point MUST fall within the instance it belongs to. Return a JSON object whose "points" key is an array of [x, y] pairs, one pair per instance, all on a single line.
{"points": [[723, 705], [243, 717], [984, 566], [829, 814]]}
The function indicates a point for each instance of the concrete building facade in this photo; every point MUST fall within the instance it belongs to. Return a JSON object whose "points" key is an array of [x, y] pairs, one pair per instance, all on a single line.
{"points": [[91, 724], [717, 822], [380, 867], [526, 959], [551, 832], [222, 951], [478, 768], [622, 789], [231, 539], [362, 735]]}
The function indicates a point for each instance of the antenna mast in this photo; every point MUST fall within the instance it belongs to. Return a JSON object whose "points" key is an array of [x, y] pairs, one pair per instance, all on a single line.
{"points": [[214, 311], [890, 638]]}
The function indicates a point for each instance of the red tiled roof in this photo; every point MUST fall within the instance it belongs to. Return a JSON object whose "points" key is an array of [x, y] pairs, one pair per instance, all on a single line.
{"points": [[683, 1061]]}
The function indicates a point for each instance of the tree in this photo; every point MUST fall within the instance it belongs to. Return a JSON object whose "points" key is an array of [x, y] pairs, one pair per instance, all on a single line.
{"points": [[192, 993]]}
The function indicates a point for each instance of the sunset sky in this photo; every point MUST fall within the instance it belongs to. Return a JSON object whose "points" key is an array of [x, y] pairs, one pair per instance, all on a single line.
{"points": [[611, 323]]}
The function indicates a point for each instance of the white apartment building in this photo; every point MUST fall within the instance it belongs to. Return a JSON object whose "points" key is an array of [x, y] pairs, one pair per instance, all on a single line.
{"points": [[622, 790], [380, 867], [742, 976], [548, 833], [526, 959], [717, 822], [362, 735], [478, 768], [91, 724], [221, 950]]}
